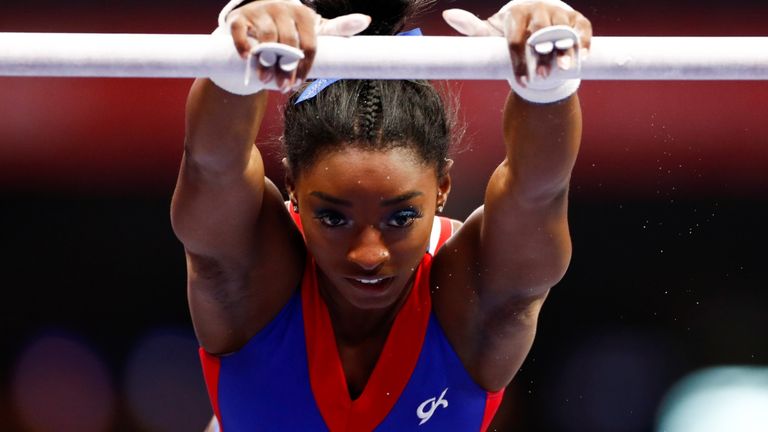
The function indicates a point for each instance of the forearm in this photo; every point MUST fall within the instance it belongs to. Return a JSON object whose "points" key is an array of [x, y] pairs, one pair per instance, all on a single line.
{"points": [[542, 141], [221, 182], [221, 127]]}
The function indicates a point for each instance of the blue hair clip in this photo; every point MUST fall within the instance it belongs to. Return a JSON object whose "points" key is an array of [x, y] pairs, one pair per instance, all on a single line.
{"points": [[321, 84], [414, 32]]}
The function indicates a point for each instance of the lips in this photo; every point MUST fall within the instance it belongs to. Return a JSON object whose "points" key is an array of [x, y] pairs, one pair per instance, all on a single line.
{"points": [[370, 283]]}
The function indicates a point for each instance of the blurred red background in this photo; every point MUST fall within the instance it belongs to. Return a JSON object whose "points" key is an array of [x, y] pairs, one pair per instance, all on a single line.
{"points": [[639, 137], [668, 210]]}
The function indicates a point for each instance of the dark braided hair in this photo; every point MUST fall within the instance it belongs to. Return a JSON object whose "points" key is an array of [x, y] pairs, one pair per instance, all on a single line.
{"points": [[374, 115], [370, 111]]}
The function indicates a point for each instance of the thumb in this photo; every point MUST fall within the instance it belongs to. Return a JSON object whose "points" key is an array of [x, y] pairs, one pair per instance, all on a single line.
{"points": [[345, 25], [468, 24]]}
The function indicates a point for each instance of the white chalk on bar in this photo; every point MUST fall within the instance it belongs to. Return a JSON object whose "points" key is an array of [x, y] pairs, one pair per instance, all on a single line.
{"points": [[385, 57]]}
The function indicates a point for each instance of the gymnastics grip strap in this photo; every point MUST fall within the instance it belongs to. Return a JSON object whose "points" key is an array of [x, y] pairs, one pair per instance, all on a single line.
{"points": [[560, 84], [268, 54]]}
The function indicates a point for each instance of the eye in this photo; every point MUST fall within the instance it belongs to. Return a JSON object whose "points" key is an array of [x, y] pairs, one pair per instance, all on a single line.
{"points": [[331, 218], [404, 218]]}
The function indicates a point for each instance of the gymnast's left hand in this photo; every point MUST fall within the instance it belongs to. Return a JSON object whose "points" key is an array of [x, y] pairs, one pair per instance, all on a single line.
{"points": [[516, 21]]}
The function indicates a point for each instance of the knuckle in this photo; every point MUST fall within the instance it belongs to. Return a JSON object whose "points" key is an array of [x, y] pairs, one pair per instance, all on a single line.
{"points": [[272, 7], [237, 24], [289, 40], [235, 16], [304, 13], [535, 26], [307, 21], [582, 21], [267, 32]]}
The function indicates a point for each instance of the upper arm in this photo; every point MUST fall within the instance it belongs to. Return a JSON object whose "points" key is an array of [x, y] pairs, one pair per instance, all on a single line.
{"points": [[243, 262], [498, 269], [244, 253], [501, 264]]}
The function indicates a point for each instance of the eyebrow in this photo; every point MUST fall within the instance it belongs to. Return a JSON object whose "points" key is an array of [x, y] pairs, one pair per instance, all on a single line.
{"points": [[400, 198], [384, 203], [331, 199]]}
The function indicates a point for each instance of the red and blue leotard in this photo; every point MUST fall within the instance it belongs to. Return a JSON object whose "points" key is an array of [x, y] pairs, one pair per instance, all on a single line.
{"points": [[289, 376]]}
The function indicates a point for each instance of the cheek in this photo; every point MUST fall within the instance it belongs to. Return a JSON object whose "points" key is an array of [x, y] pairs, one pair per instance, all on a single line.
{"points": [[412, 246], [322, 244]]}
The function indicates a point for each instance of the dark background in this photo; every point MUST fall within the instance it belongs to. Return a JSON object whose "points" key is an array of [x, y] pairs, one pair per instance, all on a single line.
{"points": [[668, 203]]}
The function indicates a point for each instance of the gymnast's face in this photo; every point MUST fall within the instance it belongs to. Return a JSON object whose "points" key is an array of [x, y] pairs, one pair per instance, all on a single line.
{"points": [[367, 218]]}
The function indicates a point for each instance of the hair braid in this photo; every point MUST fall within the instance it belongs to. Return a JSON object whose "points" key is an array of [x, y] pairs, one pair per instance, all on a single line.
{"points": [[370, 111], [377, 115]]}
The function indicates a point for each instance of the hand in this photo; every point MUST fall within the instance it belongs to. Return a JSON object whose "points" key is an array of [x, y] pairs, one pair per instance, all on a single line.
{"points": [[516, 21], [290, 23]]}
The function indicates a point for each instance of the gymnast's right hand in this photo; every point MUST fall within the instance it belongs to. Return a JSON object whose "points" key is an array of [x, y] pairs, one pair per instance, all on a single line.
{"points": [[291, 23]]}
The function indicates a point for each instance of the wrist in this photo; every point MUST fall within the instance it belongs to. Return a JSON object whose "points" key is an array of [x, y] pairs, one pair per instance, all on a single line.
{"points": [[563, 90]]}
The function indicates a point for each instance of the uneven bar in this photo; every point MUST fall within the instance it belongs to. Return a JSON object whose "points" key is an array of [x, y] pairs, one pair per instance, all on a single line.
{"points": [[384, 57]]}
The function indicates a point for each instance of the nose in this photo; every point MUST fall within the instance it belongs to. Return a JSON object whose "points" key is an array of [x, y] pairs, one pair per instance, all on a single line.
{"points": [[368, 250]]}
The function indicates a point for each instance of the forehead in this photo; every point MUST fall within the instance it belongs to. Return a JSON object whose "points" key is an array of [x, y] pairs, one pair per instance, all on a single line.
{"points": [[353, 170]]}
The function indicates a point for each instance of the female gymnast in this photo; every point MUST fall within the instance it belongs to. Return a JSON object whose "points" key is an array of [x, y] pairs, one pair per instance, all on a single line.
{"points": [[354, 306]]}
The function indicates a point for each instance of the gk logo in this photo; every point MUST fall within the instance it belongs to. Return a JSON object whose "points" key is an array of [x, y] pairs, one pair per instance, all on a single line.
{"points": [[425, 415]]}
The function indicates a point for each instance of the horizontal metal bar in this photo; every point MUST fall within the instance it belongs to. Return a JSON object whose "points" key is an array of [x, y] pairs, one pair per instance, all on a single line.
{"points": [[384, 57]]}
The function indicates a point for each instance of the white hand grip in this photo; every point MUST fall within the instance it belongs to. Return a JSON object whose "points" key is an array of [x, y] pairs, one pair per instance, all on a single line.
{"points": [[542, 44]]}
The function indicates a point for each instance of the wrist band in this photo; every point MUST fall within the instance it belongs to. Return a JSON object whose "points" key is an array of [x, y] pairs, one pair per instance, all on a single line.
{"points": [[544, 96]]}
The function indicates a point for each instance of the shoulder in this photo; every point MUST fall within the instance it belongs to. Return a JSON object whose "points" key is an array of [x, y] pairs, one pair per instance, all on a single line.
{"points": [[455, 224], [443, 229]]}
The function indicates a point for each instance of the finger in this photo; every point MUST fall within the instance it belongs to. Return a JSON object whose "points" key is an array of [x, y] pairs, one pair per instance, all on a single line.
{"points": [[544, 64], [288, 35], [540, 18], [468, 24], [345, 25], [239, 31], [305, 25], [515, 30], [266, 74], [584, 29], [264, 29], [560, 17], [564, 47], [565, 51], [565, 58]]}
